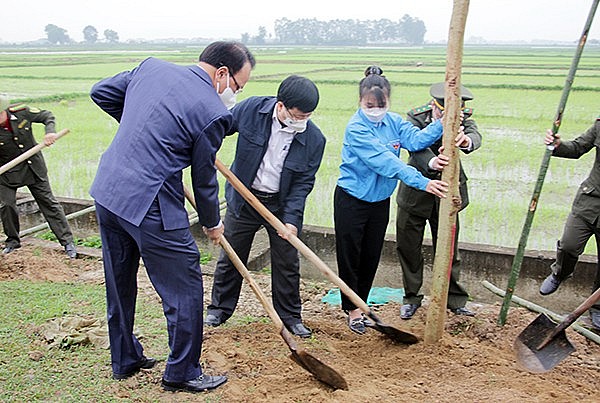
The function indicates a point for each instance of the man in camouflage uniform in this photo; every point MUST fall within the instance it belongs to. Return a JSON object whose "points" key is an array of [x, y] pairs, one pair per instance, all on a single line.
{"points": [[584, 219], [16, 137], [415, 207]]}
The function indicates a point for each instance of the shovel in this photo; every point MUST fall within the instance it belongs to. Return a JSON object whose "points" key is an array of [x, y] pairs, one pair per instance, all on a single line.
{"points": [[320, 370], [396, 335], [542, 344]]}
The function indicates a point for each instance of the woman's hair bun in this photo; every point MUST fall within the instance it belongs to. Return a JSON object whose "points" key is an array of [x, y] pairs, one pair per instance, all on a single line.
{"points": [[373, 70]]}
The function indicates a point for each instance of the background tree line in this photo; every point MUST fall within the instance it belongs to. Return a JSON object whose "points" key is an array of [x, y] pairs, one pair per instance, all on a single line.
{"points": [[58, 36], [310, 31], [306, 31]]}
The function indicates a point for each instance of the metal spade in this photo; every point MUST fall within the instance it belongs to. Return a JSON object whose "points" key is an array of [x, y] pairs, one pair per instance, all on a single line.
{"points": [[542, 344]]}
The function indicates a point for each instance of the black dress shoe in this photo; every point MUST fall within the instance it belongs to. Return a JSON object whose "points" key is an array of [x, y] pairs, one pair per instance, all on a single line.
{"points": [[200, 384], [145, 363], [462, 311], [300, 330], [9, 248], [71, 250], [550, 285], [213, 320], [407, 311]]}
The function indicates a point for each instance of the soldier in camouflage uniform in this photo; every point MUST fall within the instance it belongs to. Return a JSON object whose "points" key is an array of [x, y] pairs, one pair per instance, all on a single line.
{"points": [[416, 207], [584, 219], [16, 137]]}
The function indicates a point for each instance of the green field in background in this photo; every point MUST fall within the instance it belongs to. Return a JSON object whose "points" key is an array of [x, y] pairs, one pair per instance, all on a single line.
{"points": [[517, 91]]}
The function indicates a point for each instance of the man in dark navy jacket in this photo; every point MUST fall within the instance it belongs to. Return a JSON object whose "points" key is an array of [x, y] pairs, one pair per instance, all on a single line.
{"points": [[278, 153], [171, 117]]}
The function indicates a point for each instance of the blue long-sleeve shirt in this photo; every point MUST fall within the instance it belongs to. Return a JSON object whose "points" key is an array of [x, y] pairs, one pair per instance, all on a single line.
{"points": [[371, 165]]}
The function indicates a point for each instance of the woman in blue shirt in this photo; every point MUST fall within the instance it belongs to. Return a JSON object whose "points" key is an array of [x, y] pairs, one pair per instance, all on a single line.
{"points": [[370, 170]]}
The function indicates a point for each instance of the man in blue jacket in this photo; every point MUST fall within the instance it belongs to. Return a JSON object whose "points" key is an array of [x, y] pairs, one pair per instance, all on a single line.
{"points": [[278, 153], [171, 117]]}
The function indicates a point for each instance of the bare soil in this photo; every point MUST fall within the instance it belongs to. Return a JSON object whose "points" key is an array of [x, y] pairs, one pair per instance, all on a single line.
{"points": [[473, 362]]}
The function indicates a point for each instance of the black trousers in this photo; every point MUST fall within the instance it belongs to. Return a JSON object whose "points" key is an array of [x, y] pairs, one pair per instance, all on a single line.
{"points": [[575, 236], [49, 206], [285, 266], [410, 230], [360, 228]]}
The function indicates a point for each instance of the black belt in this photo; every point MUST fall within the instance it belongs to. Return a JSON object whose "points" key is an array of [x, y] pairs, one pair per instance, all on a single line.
{"points": [[264, 195]]}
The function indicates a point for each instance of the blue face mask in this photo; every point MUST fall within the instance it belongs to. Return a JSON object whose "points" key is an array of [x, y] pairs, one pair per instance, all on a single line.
{"points": [[375, 114]]}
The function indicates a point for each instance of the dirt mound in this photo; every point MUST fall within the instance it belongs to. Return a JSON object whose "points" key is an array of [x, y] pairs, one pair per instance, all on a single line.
{"points": [[36, 261], [474, 360]]}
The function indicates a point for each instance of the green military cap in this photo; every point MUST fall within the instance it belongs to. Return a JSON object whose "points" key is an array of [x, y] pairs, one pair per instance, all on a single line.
{"points": [[4, 102], [438, 90]]}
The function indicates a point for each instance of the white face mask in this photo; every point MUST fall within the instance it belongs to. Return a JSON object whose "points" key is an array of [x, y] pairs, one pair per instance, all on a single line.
{"points": [[228, 97], [375, 114], [296, 125]]}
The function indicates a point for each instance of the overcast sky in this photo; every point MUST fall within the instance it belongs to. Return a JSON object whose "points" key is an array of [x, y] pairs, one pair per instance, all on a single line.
{"points": [[503, 20]]}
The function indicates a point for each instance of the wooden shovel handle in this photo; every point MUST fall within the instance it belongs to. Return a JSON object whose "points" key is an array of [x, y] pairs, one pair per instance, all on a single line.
{"points": [[33, 150], [572, 317], [293, 239], [239, 265], [321, 371]]}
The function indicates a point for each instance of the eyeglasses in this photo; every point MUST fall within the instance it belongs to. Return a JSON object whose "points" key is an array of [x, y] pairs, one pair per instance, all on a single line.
{"points": [[239, 87], [304, 116]]}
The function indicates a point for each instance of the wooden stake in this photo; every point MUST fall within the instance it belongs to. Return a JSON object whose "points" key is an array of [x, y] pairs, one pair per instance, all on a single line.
{"points": [[442, 264]]}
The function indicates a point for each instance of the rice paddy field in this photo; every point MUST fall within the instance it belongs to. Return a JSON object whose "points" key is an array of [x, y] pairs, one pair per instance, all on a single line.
{"points": [[517, 91]]}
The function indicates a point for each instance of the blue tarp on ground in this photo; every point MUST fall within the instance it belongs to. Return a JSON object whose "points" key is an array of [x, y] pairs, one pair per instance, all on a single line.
{"points": [[377, 296]]}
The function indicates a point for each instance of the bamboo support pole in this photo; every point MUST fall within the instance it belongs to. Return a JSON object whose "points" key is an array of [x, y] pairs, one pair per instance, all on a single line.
{"points": [[45, 225], [518, 259]]}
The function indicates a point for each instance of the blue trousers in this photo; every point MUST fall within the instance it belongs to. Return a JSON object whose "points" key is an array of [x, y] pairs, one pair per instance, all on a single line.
{"points": [[172, 263]]}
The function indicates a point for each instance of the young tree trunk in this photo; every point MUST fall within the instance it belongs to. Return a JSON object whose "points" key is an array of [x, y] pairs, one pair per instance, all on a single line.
{"points": [[442, 264]]}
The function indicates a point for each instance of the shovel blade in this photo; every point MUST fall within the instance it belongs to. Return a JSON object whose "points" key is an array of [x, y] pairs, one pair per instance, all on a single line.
{"points": [[541, 360], [396, 335], [320, 370]]}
